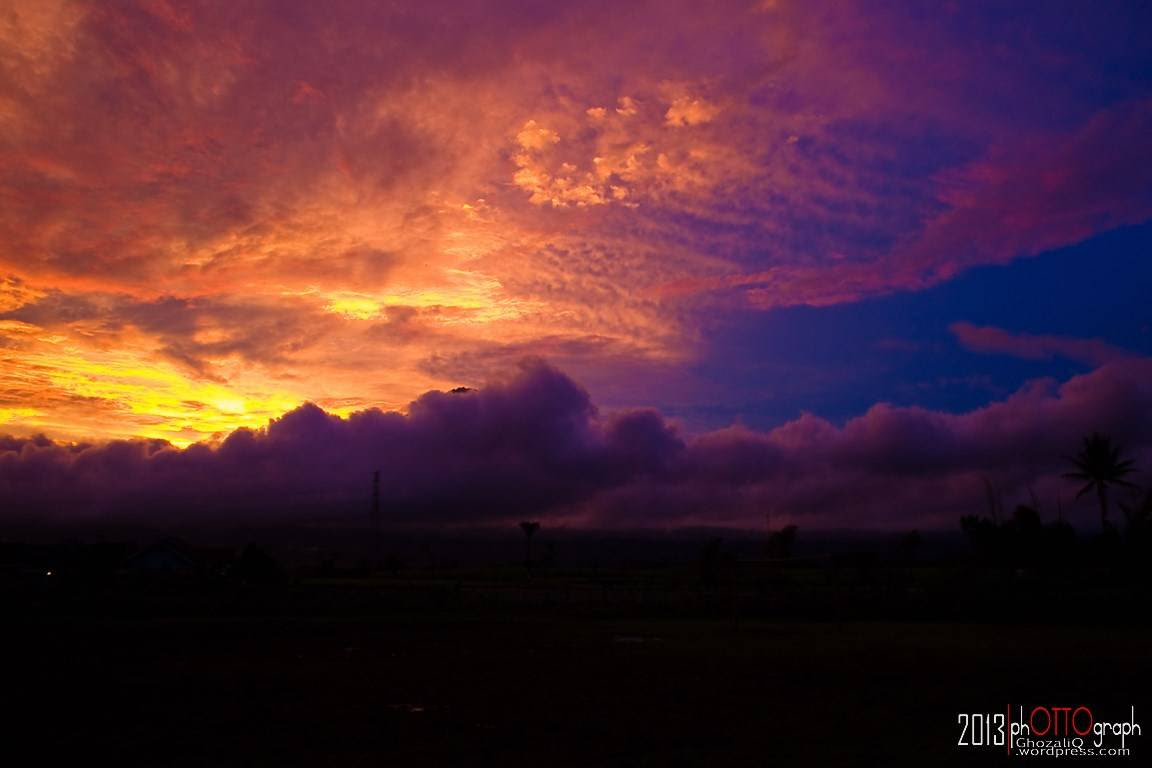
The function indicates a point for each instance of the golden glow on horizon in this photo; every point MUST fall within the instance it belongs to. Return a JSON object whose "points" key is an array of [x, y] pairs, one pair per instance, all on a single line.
{"points": [[118, 393], [18, 414], [94, 388]]}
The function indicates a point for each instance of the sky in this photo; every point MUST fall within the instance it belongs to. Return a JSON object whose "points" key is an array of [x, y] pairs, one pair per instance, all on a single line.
{"points": [[844, 263]]}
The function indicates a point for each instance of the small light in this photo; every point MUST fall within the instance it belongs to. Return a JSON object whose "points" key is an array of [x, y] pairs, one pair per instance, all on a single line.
{"points": [[48, 573]]}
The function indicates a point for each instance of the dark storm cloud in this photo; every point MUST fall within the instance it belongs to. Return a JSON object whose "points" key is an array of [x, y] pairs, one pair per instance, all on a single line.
{"points": [[536, 445]]}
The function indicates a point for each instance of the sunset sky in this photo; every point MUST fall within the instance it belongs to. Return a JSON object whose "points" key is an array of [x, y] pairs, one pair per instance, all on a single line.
{"points": [[723, 244]]}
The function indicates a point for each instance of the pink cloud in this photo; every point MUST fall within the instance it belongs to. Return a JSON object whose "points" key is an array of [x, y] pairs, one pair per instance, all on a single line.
{"points": [[1035, 193], [997, 341]]}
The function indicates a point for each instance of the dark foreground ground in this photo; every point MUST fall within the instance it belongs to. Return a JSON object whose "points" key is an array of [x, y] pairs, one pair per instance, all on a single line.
{"points": [[671, 653], [458, 690]]}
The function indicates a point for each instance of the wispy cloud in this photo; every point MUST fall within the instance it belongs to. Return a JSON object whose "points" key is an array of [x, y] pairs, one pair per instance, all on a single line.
{"points": [[997, 341]]}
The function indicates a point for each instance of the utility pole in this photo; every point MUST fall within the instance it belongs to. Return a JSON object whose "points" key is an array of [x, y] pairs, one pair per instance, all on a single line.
{"points": [[376, 518]]}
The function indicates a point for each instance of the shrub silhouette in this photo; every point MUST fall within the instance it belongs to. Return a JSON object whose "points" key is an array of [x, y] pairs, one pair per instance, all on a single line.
{"points": [[1022, 541], [529, 527], [780, 542]]}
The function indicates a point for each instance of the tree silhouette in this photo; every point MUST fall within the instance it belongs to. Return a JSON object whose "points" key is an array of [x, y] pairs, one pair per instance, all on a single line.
{"points": [[908, 545], [1099, 465], [1138, 518], [780, 542], [529, 527]]}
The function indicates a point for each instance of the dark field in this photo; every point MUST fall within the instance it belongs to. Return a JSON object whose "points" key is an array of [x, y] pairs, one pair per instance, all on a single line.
{"points": [[328, 673]]}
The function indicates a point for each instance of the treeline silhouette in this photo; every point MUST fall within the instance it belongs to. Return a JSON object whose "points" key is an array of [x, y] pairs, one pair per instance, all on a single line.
{"points": [[994, 566], [1025, 540]]}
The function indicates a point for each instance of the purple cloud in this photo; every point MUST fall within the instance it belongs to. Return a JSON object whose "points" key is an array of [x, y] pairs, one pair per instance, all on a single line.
{"points": [[535, 444]]}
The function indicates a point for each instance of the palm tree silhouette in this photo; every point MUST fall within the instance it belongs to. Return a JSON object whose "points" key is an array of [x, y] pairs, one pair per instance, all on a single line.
{"points": [[1099, 465]]}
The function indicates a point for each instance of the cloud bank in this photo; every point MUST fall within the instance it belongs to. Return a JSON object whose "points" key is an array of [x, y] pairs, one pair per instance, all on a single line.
{"points": [[535, 445]]}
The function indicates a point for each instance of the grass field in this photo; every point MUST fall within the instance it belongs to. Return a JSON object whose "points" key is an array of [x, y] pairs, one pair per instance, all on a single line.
{"points": [[541, 691]]}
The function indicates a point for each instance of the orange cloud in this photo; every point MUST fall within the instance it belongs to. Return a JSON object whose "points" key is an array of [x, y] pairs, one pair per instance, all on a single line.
{"points": [[282, 201]]}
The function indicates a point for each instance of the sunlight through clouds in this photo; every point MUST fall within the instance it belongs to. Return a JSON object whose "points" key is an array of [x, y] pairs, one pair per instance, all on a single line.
{"points": [[211, 213]]}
